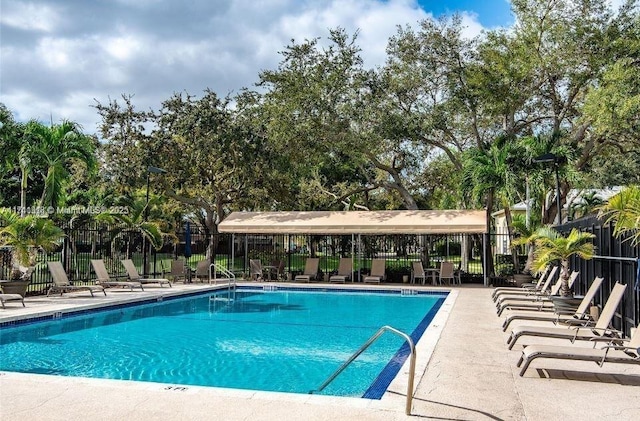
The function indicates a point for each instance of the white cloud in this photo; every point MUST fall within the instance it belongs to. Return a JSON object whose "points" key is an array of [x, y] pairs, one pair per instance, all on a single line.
{"points": [[153, 48], [29, 16]]}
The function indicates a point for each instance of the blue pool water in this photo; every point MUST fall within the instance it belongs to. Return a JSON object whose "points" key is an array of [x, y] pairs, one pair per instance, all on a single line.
{"points": [[284, 341]]}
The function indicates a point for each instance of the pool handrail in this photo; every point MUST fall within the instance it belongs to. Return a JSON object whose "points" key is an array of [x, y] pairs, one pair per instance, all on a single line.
{"points": [[370, 341], [213, 272]]}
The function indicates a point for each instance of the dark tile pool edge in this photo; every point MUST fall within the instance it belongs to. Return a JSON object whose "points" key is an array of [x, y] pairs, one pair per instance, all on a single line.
{"points": [[62, 314], [380, 385], [394, 291]]}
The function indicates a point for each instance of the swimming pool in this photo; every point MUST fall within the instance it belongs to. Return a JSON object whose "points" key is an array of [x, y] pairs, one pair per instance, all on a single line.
{"points": [[287, 340]]}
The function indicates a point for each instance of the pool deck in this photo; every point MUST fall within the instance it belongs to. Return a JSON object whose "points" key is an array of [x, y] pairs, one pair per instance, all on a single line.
{"points": [[467, 373]]}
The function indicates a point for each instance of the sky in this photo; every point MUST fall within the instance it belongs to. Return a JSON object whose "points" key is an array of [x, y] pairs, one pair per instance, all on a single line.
{"points": [[58, 57]]}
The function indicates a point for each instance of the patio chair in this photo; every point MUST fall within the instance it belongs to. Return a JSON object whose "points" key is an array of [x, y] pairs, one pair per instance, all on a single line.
{"points": [[61, 282], [178, 270], [277, 270], [378, 271], [417, 272], [576, 333], [310, 270], [5, 298], [344, 271], [255, 270], [580, 315], [616, 351], [134, 276], [105, 280], [202, 270], [447, 272], [542, 284]]}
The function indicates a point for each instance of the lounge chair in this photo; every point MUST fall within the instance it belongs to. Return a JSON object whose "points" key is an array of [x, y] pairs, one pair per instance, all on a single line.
{"points": [[104, 279], [255, 270], [378, 271], [61, 282], [134, 276], [576, 333], [617, 351], [522, 287], [581, 313], [540, 301], [543, 290], [310, 270], [202, 270], [542, 284], [5, 298], [344, 271], [417, 272]]}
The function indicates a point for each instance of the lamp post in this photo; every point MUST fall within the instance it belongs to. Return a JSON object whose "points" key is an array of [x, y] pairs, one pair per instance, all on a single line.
{"points": [[150, 170], [557, 160]]}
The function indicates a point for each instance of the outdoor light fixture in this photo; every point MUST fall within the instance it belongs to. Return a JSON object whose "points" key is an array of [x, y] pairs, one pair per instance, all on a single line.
{"points": [[556, 160], [150, 170]]}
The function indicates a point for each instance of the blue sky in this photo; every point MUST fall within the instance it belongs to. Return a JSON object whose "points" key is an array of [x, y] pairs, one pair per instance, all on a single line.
{"points": [[490, 13], [58, 56]]}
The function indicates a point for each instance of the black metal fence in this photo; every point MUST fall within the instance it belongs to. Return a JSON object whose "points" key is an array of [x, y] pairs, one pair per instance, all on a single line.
{"points": [[97, 241], [615, 261]]}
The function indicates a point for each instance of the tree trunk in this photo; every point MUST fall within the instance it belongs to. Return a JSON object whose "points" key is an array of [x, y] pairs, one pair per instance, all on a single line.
{"points": [[530, 257], [514, 252], [488, 251], [565, 291]]}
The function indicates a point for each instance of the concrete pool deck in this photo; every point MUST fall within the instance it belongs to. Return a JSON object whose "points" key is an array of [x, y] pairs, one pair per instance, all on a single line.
{"points": [[470, 375]]}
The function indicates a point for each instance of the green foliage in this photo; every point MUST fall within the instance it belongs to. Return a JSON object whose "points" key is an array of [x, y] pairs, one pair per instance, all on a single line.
{"points": [[553, 247], [134, 222], [623, 210], [55, 149], [27, 236]]}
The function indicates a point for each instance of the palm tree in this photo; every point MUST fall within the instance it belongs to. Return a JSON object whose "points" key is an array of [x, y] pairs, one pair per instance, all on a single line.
{"points": [[133, 223], [586, 204], [56, 148], [623, 210], [489, 174], [527, 237], [551, 246], [26, 236]]}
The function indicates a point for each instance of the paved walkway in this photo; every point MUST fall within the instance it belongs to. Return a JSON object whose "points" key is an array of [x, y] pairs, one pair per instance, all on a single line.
{"points": [[470, 376]]}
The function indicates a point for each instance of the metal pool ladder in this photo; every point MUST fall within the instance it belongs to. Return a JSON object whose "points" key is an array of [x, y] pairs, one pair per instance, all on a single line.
{"points": [[412, 362], [228, 275]]}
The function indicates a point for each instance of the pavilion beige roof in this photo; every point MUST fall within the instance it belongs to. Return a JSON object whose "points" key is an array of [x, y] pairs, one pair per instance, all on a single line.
{"points": [[357, 222]]}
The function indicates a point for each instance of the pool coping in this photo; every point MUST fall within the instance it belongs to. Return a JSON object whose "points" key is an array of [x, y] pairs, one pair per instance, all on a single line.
{"points": [[393, 399]]}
